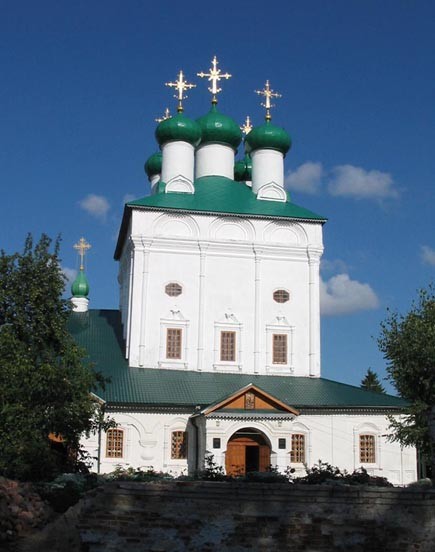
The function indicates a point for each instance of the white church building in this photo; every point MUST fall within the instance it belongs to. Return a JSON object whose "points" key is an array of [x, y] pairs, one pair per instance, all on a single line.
{"points": [[215, 348]]}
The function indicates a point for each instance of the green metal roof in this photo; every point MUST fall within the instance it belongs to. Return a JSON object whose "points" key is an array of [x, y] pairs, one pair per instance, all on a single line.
{"points": [[217, 194], [100, 333]]}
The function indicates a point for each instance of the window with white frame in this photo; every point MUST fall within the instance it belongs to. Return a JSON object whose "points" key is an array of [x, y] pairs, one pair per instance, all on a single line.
{"points": [[281, 296], [227, 343], [367, 449], [114, 443], [179, 445], [279, 349], [174, 340], [279, 340], [297, 453], [228, 346]]}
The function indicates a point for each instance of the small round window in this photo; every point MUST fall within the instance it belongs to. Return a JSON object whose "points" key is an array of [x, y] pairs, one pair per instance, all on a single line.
{"points": [[173, 289], [281, 296]]}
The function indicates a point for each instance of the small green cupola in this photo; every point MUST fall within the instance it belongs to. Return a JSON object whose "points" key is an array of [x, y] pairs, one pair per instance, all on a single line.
{"points": [[178, 129], [243, 169], [153, 166], [219, 129], [268, 136], [80, 286]]}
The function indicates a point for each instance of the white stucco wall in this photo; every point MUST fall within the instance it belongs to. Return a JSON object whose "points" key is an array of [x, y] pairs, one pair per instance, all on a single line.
{"points": [[332, 438], [228, 268]]}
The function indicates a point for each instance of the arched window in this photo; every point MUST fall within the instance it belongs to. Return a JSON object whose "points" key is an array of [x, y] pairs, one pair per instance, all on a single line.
{"points": [[173, 289], [114, 443], [367, 449], [281, 296], [297, 453], [179, 445]]}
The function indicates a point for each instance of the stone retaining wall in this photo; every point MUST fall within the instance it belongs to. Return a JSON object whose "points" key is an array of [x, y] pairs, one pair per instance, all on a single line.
{"points": [[237, 517]]}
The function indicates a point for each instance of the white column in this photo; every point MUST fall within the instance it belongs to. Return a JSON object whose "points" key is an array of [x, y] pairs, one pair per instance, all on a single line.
{"points": [[214, 160], [314, 314], [267, 166], [177, 160], [143, 311], [201, 304], [257, 312]]}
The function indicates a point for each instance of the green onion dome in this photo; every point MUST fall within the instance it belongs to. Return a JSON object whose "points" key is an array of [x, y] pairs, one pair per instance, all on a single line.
{"points": [[243, 169], [268, 136], [153, 165], [218, 128], [80, 286], [248, 165], [178, 128]]}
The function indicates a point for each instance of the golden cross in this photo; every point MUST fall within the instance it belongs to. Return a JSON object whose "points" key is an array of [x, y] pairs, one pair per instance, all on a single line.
{"points": [[166, 115], [247, 126], [82, 246], [268, 93], [214, 76], [180, 86]]}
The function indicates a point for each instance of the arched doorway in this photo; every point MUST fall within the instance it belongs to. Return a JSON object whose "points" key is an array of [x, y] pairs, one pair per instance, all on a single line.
{"points": [[247, 450]]}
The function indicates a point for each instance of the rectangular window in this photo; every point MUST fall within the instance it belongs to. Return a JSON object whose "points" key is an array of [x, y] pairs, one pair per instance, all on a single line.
{"points": [[216, 443], [279, 354], [228, 346], [173, 343], [114, 443], [179, 445], [282, 443], [367, 454], [297, 453]]}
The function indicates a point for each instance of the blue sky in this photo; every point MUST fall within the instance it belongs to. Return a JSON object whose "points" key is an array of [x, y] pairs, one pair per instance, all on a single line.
{"points": [[81, 84]]}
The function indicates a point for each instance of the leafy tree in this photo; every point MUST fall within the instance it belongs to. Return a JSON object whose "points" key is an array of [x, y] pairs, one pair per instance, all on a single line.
{"points": [[408, 344], [371, 382], [44, 383]]}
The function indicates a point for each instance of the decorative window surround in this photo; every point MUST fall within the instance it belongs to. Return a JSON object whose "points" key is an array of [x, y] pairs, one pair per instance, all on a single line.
{"points": [[179, 184], [279, 326], [368, 430], [228, 324], [176, 321], [272, 192], [126, 437]]}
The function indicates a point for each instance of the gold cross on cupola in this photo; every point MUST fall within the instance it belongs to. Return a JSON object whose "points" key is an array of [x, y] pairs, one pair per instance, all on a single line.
{"points": [[82, 246], [180, 85], [268, 93], [247, 126], [166, 115], [214, 76]]}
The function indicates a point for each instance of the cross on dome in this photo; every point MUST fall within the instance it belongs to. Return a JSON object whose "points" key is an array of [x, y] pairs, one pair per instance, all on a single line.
{"points": [[181, 85], [247, 126], [214, 76], [166, 115], [82, 246], [268, 93]]}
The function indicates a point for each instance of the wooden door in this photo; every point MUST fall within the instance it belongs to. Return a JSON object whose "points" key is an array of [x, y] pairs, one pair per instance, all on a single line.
{"points": [[235, 459], [264, 462]]}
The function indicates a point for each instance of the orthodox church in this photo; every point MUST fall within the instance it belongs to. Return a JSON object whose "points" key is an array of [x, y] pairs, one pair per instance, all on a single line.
{"points": [[215, 348]]}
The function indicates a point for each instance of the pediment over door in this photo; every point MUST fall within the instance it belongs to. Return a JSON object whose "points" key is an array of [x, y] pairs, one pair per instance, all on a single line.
{"points": [[250, 399]]}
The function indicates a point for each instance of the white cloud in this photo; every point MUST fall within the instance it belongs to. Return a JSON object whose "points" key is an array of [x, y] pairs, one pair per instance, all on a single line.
{"points": [[95, 205], [351, 181], [306, 178], [127, 198], [341, 295], [333, 265], [70, 274], [428, 255]]}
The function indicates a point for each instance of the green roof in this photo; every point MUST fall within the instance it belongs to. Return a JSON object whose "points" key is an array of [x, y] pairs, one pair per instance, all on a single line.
{"points": [[100, 333], [217, 194]]}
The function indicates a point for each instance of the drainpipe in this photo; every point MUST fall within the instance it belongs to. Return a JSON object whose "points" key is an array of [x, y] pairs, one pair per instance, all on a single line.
{"points": [[102, 412]]}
